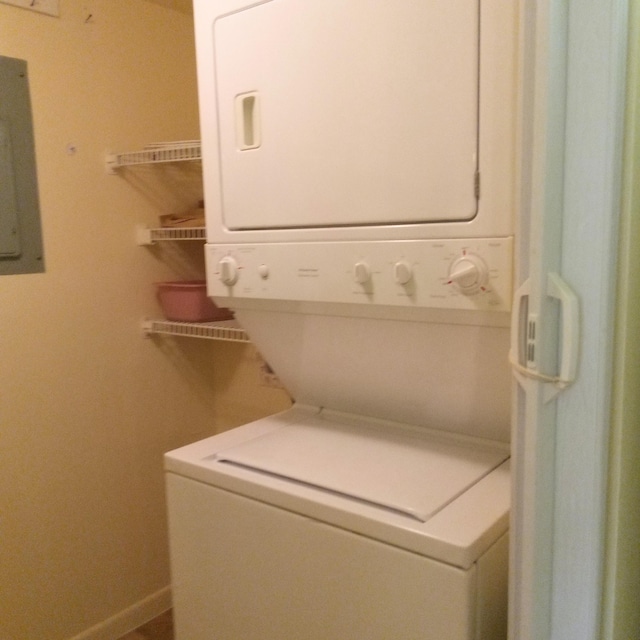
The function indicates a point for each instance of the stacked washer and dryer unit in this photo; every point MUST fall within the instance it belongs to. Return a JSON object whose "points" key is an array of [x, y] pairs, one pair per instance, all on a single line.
{"points": [[359, 165]]}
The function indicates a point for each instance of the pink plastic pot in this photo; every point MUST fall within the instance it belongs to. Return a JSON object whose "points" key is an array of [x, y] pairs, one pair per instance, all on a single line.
{"points": [[187, 301]]}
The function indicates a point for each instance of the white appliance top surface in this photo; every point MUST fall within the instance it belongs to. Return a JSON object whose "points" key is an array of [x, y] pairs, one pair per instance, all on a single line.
{"points": [[404, 470], [443, 496]]}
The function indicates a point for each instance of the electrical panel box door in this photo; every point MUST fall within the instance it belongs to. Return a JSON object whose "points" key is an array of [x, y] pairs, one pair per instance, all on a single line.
{"points": [[21, 249]]}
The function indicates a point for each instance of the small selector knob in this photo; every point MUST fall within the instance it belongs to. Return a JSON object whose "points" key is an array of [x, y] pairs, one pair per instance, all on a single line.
{"points": [[361, 272], [468, 273], [402, 272], [228, 270]]}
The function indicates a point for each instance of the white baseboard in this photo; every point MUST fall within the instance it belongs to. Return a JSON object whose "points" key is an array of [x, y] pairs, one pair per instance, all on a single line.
{"points": [[130, 618]]}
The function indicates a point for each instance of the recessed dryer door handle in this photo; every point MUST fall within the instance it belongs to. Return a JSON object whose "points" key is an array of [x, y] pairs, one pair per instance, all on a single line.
{"points": [[248, 129]]}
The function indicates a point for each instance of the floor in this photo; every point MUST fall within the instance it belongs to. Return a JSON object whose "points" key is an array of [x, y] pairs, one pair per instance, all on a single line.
{"points": [[160, 628]]}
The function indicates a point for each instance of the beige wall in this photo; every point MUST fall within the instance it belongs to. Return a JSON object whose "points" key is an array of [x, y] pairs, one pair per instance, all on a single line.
{"points": [[88, 405]]}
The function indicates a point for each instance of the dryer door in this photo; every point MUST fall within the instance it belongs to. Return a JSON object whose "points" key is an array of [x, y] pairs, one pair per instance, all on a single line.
{"points": [[335, 113]]}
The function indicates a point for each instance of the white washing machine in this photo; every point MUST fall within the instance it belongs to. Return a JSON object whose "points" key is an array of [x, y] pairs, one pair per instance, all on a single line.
{"points": [[359, 167], [324, 526]]}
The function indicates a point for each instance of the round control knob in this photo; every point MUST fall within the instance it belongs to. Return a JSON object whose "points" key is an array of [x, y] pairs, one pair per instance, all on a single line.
{"points": [[361, 272], [468, 273], [228, 270], [402, 272], [263, 271]]}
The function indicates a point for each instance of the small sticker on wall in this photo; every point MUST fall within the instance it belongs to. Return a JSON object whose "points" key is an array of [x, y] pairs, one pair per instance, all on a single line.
{"points": [[50, 7]]}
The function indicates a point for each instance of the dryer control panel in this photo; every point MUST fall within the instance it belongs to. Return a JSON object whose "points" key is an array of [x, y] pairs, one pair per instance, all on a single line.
{"points": [[469, 274]]}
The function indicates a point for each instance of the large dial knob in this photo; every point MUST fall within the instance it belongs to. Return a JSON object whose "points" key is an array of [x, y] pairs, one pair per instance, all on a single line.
{"points": [[228, 270], [468, 273]]}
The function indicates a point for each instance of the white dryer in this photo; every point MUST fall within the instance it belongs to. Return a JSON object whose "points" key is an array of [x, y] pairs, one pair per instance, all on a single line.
{"points": [[359, 167]]}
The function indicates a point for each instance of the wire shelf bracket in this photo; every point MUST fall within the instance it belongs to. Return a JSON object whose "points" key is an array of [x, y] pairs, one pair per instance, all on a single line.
{"points": [[164, 152], [226, 330], [148, 236]]}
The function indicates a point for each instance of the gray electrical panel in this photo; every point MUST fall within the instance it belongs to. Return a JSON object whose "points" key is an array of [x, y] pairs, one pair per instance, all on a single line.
{"points": [[20, 230]]}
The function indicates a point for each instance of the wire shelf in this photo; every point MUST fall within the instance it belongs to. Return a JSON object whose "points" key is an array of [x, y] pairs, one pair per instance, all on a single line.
{"points": [[155, 154], [146, 235], [227, 330]]}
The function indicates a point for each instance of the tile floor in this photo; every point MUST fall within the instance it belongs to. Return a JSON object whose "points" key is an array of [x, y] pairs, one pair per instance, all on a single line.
{"points": [[160, 628]]}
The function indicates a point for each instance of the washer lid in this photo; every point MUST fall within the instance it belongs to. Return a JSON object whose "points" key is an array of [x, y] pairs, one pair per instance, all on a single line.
{"points": [[402, 469]]}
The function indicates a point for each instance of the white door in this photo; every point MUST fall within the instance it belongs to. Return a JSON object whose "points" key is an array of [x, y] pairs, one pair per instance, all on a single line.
{"points": [[573, 108]]}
